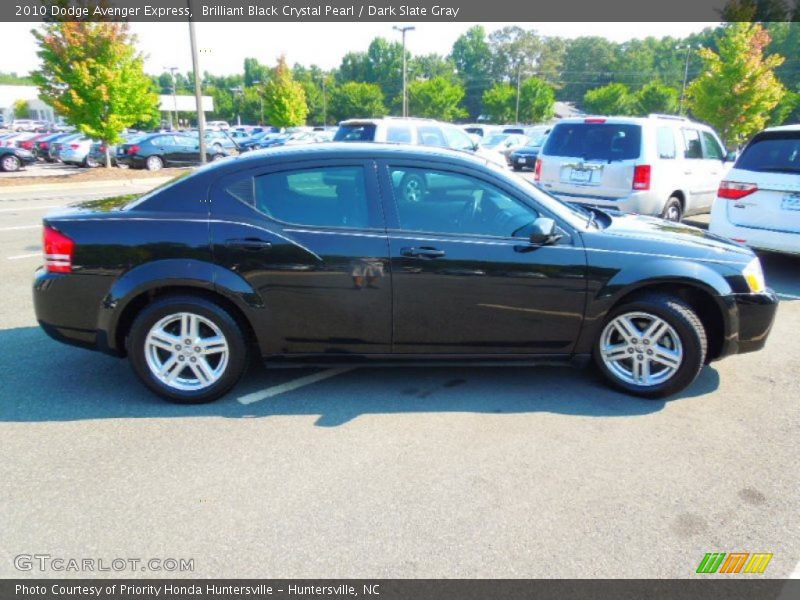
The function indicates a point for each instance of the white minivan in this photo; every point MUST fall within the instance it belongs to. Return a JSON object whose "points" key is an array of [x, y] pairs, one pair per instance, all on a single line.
{"points": [[658, 165], [758, 203]]}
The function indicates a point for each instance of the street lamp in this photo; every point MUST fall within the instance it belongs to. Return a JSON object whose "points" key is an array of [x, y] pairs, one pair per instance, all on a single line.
{"points": [[260, 101], [238, 90], [403, 31], [688, 48], [172, 71]]}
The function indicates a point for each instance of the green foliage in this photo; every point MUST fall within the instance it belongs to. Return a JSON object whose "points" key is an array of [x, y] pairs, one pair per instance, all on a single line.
{"points": [[21, 110], [472, 58], [284, 98], [14, 79], [589, 62], [656, 97], [354, 99], [499, 102], [738, 90], [91, 74], [611, 99], [436, 98], [537, 101]]}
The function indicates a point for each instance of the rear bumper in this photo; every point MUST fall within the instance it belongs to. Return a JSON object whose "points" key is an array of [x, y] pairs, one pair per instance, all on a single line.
{"points": [[760, 239], [130, 161], [752, 316]]}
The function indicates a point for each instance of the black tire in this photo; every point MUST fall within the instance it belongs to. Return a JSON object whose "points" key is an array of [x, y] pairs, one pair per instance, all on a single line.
{"points": [[215, 157], [673, 210], [171, 305], [154, 163], [9, 163], [689, 329], [516, 167], [412, 188]]}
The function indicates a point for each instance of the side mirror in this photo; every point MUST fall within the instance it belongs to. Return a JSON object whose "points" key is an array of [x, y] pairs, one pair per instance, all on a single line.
{"points": [[543, 232], [731, 156]]}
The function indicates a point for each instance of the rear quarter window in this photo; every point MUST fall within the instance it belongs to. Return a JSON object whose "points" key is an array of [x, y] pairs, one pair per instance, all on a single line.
{"points": [[772, 153], [595, 141], [355, 133]]}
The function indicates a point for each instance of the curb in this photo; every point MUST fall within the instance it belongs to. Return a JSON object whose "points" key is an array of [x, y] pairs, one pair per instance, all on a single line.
{"points": [[81, 185]]}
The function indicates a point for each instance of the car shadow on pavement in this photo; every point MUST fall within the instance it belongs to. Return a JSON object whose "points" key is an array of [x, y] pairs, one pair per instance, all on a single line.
{"points": [[41, 380]]}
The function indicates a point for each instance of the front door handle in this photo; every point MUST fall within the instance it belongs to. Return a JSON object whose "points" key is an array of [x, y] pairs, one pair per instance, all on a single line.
{"points": [[422, 252], [248, 243]]}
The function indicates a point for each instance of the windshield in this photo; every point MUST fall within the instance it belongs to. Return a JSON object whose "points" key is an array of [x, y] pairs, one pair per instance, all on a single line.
{"points": [[774, 152], [595, 141], [494, 139]]}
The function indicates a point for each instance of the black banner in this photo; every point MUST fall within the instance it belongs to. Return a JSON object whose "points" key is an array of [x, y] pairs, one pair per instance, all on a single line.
{"points": [[713, 588], [410, 11]]}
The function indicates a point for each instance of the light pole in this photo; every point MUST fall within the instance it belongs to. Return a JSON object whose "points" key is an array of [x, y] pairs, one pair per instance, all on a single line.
{"points": [[260, 101], [238, 90], [688, 48], [403, 31], [519, 69], [198, 94], [172, 71]]}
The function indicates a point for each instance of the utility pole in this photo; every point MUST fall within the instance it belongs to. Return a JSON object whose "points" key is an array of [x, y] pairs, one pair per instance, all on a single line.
{"points": [[324, 104], [198, 95], [688, 49], [403, 31], [260, 100], [172, 71], [519, 69]]}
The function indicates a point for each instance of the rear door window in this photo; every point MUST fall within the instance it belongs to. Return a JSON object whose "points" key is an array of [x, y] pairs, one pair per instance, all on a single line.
{"points": [[398, 134], [595, 141], [364, 132], [692, 148], [712, 148], [772, 153], [431, 136]]}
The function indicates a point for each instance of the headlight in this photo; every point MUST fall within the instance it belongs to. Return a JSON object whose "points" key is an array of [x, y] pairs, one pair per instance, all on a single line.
{"points": [[754, 276]]}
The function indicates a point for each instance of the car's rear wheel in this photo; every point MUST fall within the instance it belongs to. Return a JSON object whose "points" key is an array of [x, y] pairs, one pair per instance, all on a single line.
{"points": [[516, 167], [652, 346], [673, 210], [187, 349], [10, 163], [412, 187], [154, 163]]}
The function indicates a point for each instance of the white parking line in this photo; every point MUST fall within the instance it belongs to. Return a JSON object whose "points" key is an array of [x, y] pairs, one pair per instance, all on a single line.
{"points": [[21, 227], [7, 210], [289, 386], [19, 256]]}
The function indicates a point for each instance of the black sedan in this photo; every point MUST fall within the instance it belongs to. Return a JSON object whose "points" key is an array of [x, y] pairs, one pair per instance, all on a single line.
{"points": [[158, 150], [12, 158], [312, 254]]}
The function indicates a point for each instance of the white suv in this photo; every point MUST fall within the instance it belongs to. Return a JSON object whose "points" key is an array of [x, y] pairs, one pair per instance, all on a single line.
{"points": [[758, 203], [658, 165]]}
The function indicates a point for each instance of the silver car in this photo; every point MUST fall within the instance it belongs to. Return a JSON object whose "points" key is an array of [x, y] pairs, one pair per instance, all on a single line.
{"points": [[75, 152]]}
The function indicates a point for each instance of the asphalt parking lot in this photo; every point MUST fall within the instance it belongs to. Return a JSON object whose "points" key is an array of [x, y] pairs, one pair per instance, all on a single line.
{"points": [[446, 472]]}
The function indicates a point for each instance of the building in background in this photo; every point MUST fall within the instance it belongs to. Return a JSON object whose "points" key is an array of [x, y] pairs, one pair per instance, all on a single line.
{"points": [[38, 110]]}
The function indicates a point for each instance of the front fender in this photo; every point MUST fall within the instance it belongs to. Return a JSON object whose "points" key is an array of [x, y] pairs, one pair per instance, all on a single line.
{"points": [[166, 273], [607, 286]]}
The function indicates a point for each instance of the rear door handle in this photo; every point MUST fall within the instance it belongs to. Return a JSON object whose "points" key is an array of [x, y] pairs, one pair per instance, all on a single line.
{"points": [[422, 252], [248, 243]]}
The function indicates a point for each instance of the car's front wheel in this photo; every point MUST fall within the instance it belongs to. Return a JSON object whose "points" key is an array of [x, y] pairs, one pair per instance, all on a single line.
{"points": [[652, 346], [187, 349], [10, 163]]}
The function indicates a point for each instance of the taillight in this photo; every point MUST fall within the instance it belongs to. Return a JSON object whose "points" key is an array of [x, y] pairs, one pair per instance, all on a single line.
{"points": [[102, 149], [733, 190], [74, 146], [43, 145], [641, 177], [133, 149], [58, 251], [537, 170], [594, 120], [26, 145]]}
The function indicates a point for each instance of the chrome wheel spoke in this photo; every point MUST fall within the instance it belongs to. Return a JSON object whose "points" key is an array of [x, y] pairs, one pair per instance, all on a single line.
{"points": [[171, 368], [203, 371], [616, 352], [626, 328], [213, 345], [655, 330], [165, 341], [666, 357], [641, 371]]}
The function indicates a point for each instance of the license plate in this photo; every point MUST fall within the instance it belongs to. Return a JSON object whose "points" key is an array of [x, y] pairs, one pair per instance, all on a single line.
{"points": [[791, 202], [521, 161], [580, 175]]}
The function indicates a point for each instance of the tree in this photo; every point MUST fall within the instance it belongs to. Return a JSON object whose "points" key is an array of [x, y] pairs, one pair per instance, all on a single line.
{"points": [[429, 66], [436, 98], [499, 102], [473, 58], [21, 109], [284, 98], [536, 101], [354, 99], [738, 89], [589, 62], [255, 72], [91, 74], [611, 99], [655, 97], [515, 53]]}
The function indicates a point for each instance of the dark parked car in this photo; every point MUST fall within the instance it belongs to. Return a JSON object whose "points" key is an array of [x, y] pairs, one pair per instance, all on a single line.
{"points": [[310, 254], [524, 157], [41, 147], [12, 158], [157, 150]]}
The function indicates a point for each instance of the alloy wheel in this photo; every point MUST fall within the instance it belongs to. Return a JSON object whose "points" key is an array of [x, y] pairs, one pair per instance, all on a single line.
{"points": [[186, 351], [641, 349]]}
